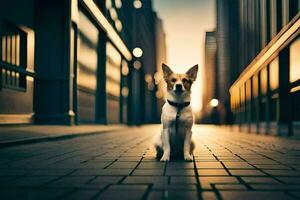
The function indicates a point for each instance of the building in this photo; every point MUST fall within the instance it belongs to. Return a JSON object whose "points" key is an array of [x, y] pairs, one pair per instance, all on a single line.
{"points": [[265, 95], [210, 84], [145, 37], [71, 62], [161, 57], [227, 26]]}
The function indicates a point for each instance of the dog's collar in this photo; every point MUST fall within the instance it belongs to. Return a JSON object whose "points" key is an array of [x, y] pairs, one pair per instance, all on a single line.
{"points": [[179, 105]]}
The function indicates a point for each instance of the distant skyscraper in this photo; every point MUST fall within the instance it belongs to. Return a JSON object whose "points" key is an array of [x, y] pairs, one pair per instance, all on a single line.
{"points": [[210, 84], [227, 51]]}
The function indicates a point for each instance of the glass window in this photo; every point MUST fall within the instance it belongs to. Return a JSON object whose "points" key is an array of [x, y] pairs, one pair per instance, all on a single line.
{"points": [[113, 83], [295, 61], [274, 74], [87, 56], [113, 71], [264, 81]]}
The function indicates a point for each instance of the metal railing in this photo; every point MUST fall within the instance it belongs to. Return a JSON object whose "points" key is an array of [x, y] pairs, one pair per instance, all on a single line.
{"points": [[13, 56]]}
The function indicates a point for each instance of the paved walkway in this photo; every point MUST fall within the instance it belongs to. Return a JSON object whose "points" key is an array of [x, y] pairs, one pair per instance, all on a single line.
{"points": [[119, 165], [11, 135]]}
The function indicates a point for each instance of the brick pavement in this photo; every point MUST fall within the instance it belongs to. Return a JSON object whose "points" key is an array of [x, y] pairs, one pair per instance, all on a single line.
{"points": [[119, 165]]}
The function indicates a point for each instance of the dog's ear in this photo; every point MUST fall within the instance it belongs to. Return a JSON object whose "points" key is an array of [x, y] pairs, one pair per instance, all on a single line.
{"points": [[167, 71], [192, 72]]}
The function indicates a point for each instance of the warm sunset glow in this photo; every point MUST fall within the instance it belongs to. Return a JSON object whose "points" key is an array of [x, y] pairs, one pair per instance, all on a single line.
{"points": [[185, 23]]}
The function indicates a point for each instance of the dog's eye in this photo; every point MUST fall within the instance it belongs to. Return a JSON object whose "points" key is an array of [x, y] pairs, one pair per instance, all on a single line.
{"points": [[173, 80], [184, 80]]}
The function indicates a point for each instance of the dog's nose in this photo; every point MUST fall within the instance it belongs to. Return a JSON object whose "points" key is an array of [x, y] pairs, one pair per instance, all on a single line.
{"points": [[178, 87]]}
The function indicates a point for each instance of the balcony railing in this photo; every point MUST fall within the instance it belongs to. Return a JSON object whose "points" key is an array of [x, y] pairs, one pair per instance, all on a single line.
{"points": [[13, 60], [265, 87]]}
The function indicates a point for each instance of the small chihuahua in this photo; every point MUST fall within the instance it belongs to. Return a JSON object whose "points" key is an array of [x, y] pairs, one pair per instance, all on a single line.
{"points": [[177, 116]]}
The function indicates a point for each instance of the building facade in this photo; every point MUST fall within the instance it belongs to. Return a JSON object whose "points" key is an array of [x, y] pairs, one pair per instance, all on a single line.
{"points": [[71, 62], [265, 96], [161, 57], [210, 81]]}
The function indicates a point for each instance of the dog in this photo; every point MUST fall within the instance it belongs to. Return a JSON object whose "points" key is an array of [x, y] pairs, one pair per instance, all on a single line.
{"points": [[175, 139]]}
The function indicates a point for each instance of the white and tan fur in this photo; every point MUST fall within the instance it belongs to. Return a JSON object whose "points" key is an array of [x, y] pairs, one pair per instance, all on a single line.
{"points": [[169, 142]]}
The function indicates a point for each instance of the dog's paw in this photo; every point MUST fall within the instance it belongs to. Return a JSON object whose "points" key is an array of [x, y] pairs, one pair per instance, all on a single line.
{"points": [[188, 157], [165, 158]]}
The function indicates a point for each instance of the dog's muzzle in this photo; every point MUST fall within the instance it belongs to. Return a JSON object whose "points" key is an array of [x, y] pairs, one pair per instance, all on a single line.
{"points": [[178, 88]]}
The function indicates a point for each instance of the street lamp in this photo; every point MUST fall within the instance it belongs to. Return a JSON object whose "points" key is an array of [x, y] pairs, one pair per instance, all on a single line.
{"points": [[214, 103], [137, 52], [137, 4]]}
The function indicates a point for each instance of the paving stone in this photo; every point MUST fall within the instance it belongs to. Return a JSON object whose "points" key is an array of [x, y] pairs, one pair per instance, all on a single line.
{"points": [[31, 181], [265, 166], [180, 165], [154, 195], [208, 165], [290, 180], [106, 179], [212, 172], [237, 165], [107, 172], [259, 180], [275, 187], [246, 172], [51, 172], [124, 195], [251, 195], [112, 166], [180, 172], [124, 192], [45, 193], [82, 194], [161, 180], [123, 165], [209, 196], [129, 158], [71, 181], [229, 186], [175, 186], [183, 180], [283, 172], [262, 162], [151, 165], [171, 194], [150, 172], [229, 158], [206, 182]]}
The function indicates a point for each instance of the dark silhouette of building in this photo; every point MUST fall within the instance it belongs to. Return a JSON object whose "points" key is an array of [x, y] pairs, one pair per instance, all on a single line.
{"points": [[161, 57], [210, 82], [264, 97], [69, 62]]}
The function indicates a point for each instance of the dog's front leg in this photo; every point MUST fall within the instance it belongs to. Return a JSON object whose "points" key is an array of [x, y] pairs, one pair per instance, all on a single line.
{"points": [[166, 145], [187, 146]]}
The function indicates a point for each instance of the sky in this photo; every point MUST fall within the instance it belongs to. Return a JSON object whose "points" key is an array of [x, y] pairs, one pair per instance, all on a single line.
{"points": [[185, 23]]}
